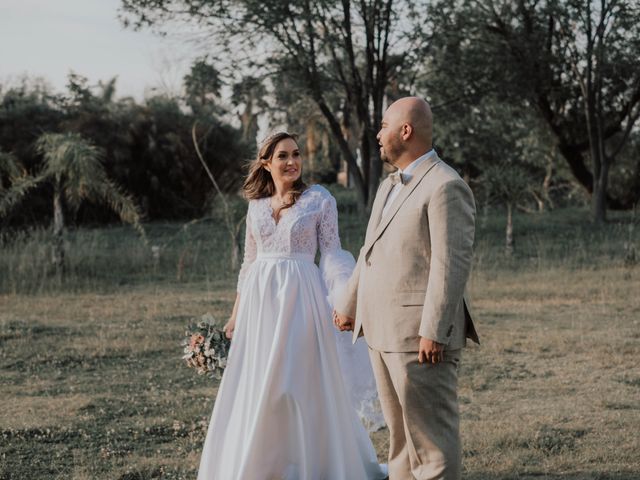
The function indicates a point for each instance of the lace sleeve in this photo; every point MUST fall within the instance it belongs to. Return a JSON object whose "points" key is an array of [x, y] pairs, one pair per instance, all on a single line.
{"points": [[250, 252], [336, 265], [328, 237]]}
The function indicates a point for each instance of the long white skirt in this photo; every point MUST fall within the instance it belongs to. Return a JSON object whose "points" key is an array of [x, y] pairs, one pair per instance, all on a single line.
{"points": [[282, 409]]}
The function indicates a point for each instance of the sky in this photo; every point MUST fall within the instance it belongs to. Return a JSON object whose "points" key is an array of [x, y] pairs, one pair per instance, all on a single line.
{"points": [[50, 38]]}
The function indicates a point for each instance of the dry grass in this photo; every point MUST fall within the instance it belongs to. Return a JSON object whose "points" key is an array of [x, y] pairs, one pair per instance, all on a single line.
{"points": [[94, 387], [554, 391]]}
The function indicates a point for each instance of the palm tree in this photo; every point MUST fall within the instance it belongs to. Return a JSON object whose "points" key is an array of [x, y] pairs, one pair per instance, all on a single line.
{"points": [[73, 167]]}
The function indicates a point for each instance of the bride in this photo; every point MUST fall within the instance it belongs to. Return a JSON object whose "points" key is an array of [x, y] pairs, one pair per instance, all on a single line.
{"points": [[286, 407]]}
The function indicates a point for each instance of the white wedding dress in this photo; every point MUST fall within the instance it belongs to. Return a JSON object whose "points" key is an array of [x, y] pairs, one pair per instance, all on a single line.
{"points": [[285, 408]]}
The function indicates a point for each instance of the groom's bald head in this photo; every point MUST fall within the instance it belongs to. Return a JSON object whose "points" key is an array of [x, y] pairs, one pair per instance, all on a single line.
{"points": [[407, 130], [416, 112]]}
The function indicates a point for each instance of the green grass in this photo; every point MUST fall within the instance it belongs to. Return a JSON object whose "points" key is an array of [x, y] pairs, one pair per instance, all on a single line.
{"points": [[563, 238], [93, 386], [109, 258]]}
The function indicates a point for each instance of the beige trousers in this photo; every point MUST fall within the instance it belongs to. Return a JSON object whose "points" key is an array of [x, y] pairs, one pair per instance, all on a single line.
{"points": [[420, 406]]}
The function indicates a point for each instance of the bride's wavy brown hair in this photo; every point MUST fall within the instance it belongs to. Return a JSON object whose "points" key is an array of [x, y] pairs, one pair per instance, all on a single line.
{"points": [[259, 183]]}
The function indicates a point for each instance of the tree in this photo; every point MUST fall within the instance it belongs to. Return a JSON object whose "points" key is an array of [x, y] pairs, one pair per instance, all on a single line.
{"points": [[506, 183], [146, 148], [202, 86], [474, 136], [73, 167], [575, 63], [355, 48], [598, 37], [497, 147], [27, 108], [249, 95]]}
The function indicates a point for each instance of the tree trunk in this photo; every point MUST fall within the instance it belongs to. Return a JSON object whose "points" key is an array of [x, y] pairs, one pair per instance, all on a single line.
{"points": [[375, 170], [600, 172], [235, 253], [365, 159], [539, 201], [311, 149], [57, 256], [355, 173], [249, 122], [509, 233], [599, 196], [546, 184]]}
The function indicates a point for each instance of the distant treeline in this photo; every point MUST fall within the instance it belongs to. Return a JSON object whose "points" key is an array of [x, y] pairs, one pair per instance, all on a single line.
{"points": [[147, 148]]}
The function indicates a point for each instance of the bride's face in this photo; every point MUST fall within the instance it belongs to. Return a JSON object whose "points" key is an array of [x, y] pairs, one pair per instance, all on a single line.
{"points": [[285, 164]]}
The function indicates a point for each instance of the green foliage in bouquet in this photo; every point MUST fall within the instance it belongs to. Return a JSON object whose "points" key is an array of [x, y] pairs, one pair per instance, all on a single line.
{"points": [[206, 347]]}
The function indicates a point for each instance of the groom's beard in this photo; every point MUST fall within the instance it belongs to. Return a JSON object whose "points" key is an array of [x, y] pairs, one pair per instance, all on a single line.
{"points": [[394, 152]]}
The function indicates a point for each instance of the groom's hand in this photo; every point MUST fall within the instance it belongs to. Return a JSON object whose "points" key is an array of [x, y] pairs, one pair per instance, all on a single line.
{"points": [[430, 351], [343, 322]]}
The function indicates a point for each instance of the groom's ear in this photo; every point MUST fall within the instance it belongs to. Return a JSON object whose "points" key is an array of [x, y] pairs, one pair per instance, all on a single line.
{"points": [[406, 131]]}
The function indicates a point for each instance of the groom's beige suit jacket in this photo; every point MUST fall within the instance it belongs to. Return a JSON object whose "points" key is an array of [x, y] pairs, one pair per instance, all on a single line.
{"points": [[411, 273]]}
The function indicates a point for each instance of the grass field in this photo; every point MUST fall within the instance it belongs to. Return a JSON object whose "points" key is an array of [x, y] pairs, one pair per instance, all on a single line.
{"points": [[93, 386]]}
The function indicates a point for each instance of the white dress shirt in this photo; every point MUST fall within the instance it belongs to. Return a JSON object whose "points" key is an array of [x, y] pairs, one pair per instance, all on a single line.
{"points": [[407, 175]]}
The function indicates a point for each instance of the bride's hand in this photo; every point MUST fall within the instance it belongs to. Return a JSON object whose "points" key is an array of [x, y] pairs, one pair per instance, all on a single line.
{"points": [[342, 322], [229, 327]]}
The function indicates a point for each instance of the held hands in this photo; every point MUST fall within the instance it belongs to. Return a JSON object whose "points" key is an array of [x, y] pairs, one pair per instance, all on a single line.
{"points": [[343, 322], [229, 327], [430, 351]]}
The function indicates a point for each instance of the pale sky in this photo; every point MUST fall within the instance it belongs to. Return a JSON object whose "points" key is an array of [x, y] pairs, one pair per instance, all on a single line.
{"points": [[49, 38]]}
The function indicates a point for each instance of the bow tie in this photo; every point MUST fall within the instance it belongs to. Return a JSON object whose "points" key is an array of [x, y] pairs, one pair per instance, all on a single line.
{"points": [[396, 177]]}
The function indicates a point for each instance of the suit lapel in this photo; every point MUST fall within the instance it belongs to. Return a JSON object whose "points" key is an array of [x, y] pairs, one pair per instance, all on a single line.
{"points": [[378, 206], [418, 175]]}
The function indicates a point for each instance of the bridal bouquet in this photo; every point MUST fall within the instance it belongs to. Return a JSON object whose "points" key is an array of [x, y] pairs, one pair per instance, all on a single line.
{"points": [[206, 347]]}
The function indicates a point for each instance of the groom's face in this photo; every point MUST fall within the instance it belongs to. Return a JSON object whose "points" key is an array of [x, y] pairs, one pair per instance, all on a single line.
{"points": [[390, 138]]}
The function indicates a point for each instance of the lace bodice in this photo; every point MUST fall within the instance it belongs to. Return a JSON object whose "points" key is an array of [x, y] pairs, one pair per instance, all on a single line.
{"points": [[311, 223]]}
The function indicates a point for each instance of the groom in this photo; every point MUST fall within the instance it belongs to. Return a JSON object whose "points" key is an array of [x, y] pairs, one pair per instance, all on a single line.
{"points": [[406, 295]]}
